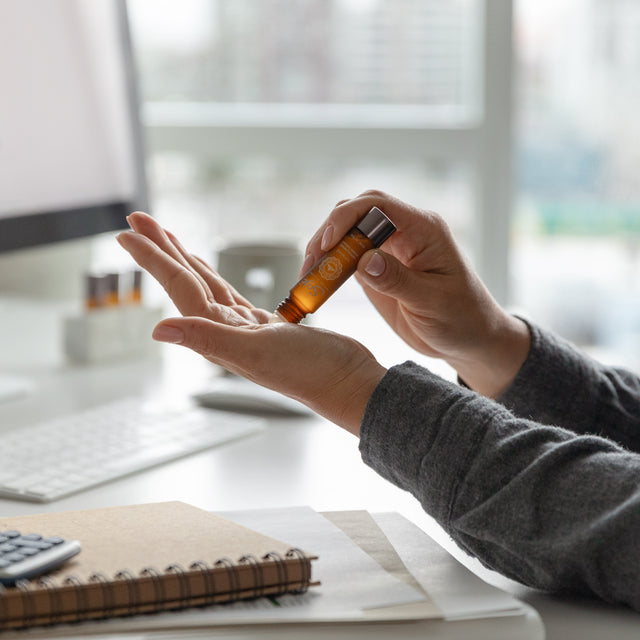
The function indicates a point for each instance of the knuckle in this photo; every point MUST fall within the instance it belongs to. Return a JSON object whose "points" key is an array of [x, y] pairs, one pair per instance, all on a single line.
{"points": [[174, 281], [375, 193], [397, 278], [437, 222], [198, 339]]}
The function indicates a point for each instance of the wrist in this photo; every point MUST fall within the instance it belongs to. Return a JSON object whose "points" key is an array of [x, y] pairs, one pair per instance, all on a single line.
{"points": [[349, 406], [495, 365]]}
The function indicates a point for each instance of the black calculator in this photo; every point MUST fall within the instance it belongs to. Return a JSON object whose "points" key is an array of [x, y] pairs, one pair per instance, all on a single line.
{"points": [[24, 556]]}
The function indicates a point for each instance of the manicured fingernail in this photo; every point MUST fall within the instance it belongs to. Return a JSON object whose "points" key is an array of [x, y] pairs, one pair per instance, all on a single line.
{"points": [[165, 333], [376, 265], [327, 236], [306, 265]]}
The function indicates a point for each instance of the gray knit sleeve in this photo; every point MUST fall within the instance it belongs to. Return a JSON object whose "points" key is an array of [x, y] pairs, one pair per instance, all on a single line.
{"points": [[561, 386], [543, 505]]}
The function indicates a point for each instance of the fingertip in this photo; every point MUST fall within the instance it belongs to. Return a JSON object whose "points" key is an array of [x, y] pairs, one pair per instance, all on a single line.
{"points": [[137, 218], [168, 333], [132, 219], [307, 264], [123, 236]]}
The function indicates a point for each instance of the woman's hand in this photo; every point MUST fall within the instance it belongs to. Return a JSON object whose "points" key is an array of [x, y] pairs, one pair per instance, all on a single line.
{"points": [[425, 289], [332, 374]]}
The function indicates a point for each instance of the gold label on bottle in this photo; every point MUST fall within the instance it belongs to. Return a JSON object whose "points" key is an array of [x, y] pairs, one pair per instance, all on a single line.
{"points": [[330, 269]]}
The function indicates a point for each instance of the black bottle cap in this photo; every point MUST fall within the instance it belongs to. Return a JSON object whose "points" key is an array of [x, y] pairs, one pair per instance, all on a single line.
{"points": [[376, 226]]}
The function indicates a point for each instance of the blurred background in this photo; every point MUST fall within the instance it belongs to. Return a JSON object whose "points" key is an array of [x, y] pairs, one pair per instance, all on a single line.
{"points": [[258, 113], [517, 121]]}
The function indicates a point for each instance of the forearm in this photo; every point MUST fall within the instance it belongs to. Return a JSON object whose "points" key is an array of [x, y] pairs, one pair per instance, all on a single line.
{"points": [[540, 504], [559, 385], [496, 356]]}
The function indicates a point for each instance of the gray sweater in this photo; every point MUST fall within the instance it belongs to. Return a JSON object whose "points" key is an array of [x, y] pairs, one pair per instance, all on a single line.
{"points": [[542, 486]]}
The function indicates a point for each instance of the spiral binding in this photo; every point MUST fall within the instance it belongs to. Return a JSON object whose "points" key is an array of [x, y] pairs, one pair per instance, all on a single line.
{"points": [[133, 588], [256, 570], [28, 609], [3, 602], [108, 597], [281, 568], [82, 603], [208, 577], [232, 574], [158, 586], [54, 597], [183, 580], [304, 565], [233, 589]]}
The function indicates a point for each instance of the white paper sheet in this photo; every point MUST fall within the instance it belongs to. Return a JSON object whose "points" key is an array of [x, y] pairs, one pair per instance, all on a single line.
{"points": [[457, 592], [350, 579]]}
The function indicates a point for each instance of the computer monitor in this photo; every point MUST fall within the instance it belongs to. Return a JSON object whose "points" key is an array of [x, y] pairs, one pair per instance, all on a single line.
{"points": [[71, 156], [71, 160]]}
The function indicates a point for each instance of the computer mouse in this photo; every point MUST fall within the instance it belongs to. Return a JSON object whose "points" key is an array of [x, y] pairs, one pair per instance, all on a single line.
{"points": [[232, 393]]}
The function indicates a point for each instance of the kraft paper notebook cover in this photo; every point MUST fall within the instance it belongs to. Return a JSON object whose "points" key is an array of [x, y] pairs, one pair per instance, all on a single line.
{"points": [[146, 558]]}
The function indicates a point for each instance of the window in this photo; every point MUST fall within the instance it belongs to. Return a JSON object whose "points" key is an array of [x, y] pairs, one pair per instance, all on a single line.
{"points": [[261, 114], [576, 251]]}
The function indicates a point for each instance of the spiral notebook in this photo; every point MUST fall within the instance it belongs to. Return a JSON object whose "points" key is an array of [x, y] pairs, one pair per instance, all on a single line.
{"points": [[150, 558]]}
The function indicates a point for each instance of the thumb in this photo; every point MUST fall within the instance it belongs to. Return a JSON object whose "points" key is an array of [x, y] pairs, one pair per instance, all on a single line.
{"points": [[210, 339], [385, 274]]}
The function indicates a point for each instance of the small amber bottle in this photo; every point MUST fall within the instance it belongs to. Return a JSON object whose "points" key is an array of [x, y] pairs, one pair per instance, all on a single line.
{"points": [[134, 295], [113, 290], [95, 294], [334, 268]]}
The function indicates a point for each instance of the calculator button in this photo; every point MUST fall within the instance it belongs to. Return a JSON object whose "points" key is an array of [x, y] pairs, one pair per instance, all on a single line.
{"points": [[10, 534], [13, 557], [4, 563], [34, 544], [7, 547], [28, 551], [31, 536]]}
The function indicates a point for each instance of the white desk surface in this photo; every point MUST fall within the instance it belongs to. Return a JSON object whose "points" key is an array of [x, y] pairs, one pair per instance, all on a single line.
{"points": [[295, 461]]}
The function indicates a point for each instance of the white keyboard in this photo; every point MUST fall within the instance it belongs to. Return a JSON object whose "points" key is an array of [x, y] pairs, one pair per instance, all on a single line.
{"points": [[45, 461]]}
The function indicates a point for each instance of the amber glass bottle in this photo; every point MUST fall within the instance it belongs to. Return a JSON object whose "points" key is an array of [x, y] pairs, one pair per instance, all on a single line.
{"points": [[334, 268]]}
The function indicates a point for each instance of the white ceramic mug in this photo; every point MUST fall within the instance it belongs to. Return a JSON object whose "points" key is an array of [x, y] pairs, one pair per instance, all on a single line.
{"points": [[262, 273]]}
